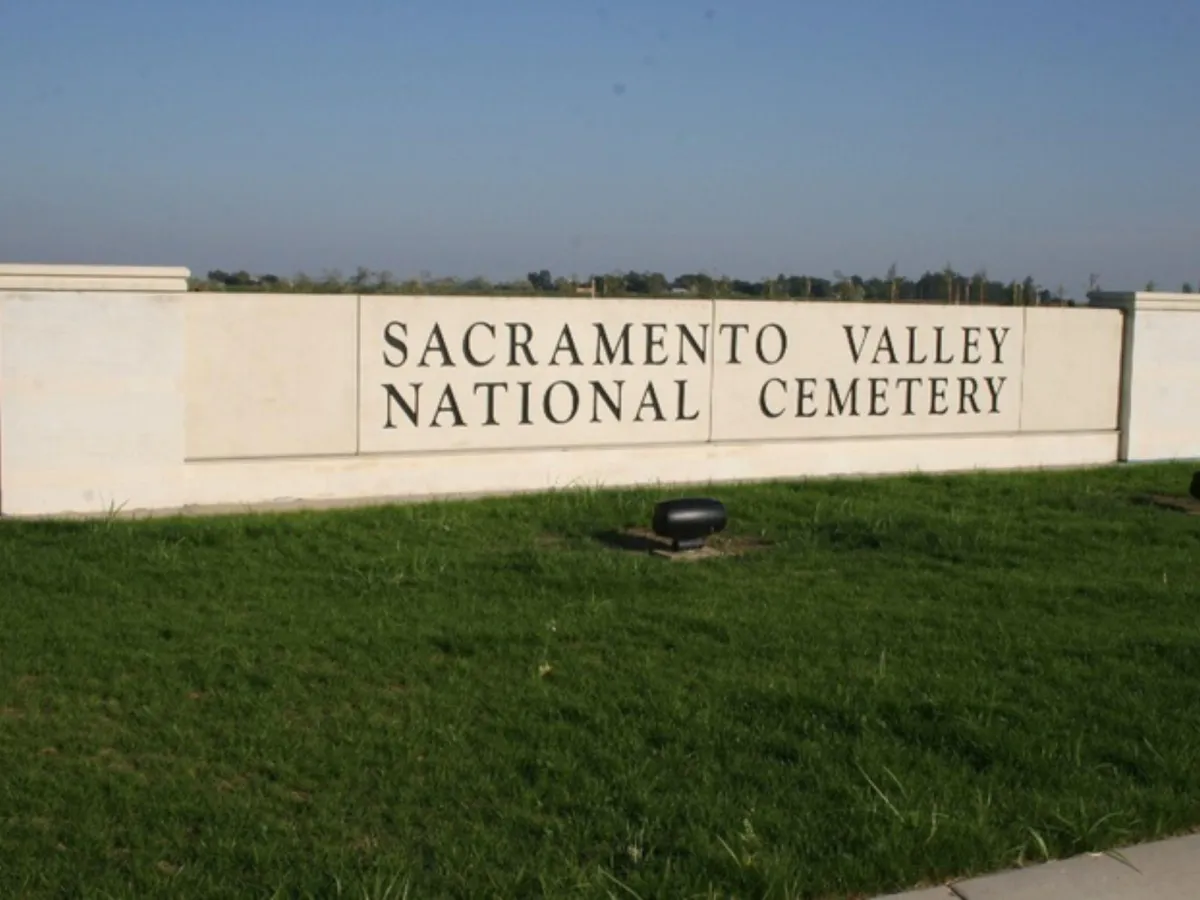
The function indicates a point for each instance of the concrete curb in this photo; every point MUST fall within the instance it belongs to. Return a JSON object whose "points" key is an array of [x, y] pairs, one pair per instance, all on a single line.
{"points": [[1163, 870]]}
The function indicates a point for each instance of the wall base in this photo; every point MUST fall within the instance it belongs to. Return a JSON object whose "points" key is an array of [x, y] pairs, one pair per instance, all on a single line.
{"points": [[231, 486]]}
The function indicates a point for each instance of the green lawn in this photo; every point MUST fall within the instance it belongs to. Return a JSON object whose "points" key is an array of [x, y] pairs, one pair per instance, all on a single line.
{"points": [[920, 678]]}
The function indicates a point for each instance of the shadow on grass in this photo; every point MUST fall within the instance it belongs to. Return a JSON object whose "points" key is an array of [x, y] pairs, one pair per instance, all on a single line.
{"points": [[631, 541], [1173, 502]]}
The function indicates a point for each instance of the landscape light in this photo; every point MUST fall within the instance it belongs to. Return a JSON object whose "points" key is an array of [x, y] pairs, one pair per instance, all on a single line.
{"points": [[688, 521]]}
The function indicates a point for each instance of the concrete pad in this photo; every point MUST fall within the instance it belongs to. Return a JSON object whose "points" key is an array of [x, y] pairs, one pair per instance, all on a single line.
{"points": [[1168, 870], [1172, 867], [937, 893], [1081, 878], [1163, 870]]}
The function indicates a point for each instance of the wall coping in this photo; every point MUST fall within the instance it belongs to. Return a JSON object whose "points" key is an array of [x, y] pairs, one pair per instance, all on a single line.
{"points": [[42, 277], [1148, 300]]}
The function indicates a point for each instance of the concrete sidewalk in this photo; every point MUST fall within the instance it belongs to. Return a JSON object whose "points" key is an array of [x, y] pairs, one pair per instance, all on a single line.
{"points": [[1165, 870]]}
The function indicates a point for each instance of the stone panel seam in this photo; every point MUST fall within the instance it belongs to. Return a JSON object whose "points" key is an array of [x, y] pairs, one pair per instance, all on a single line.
{"points": [[1024, 369], [358, 374], [712, 368]]}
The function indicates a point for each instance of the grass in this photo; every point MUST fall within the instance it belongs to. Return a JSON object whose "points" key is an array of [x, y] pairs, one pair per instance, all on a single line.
{"points": [[920, 678]]}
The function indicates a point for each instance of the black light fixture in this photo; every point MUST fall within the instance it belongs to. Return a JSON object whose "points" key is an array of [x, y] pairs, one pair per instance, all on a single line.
{"points": [[1195, 490], [688, 521]]}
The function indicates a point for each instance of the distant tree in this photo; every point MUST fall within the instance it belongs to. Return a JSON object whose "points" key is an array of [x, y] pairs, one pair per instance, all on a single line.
{"points": [[1187, 288], [684, 283], [1028, 291], [541, 281], [703, 286], [636, 283], [893, 284], [1150, 285], [657, 284], [847, 288], [942, 286], [821, 288], [949, 276], [611, 285], [981, 280], [478, 285], [798, 286], [331, 282]]}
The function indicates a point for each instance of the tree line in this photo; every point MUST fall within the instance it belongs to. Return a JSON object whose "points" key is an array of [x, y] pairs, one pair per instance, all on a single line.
{"points": [[946, 286]]}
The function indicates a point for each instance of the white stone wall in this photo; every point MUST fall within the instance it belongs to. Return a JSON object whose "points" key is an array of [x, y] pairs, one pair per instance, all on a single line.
{"points": [[91, 401], [1165, 400], [1161, 374], [243, 483], [141, 400], [271, 375]]}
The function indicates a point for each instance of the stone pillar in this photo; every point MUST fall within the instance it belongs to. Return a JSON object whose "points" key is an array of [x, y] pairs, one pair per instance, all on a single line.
{"points": [[91, 388], [1160, 374]]}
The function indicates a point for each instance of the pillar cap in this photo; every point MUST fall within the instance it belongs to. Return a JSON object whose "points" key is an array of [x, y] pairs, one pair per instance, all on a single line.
{"points": [[43, 277], [1138, 300]]}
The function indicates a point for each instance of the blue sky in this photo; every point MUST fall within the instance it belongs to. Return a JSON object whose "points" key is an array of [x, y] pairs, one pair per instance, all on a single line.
{"points": [[1047, 137]]}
